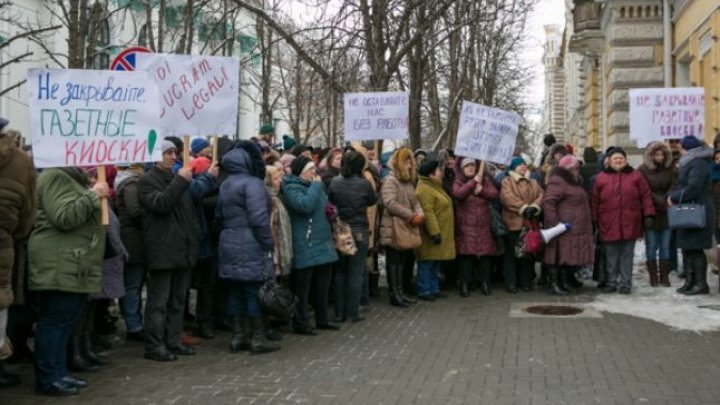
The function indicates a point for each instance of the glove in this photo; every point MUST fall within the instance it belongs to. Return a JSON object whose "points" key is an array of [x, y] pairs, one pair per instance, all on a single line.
{"points": [[530, 212], [567, 226], [417, 219], [437, 239], [648, 222]]}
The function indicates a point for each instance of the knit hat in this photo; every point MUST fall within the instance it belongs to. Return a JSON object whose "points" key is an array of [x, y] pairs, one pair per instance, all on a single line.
{"points": [[200, 165], [466, 161], [568, 162], [300, 164], [177, 142], [288, 142], [166, 145], [267, 129], [3, 123], [428, 166], [515, 163], [198, 144], [690, 142], [419, 151], [549, 140], [287, 159], [298, 149], [615, 150]]}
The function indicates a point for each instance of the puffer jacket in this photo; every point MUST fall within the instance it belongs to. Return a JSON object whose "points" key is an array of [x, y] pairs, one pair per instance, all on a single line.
{"points": [[439, 220], [517, 194], [352, 196], [312, 236], [130, 214], [66, 246], [243, 210], [473, 229], [397, 195], [620, 201], [660, 180], [170, 228], [694, 186], [17, 205]]}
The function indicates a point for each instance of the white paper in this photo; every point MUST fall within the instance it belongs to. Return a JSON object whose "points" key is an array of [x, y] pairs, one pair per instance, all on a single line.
{"points": [[486, 133], [666, 113], [374, 116]]}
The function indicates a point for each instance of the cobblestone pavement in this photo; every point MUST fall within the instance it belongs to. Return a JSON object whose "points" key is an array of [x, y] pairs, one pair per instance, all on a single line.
{"points": [[454, 351]]}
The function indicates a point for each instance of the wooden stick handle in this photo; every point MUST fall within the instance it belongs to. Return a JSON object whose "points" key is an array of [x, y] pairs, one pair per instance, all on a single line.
{"points": [[104, 215], [214, 151], [186, 150], [481, 171]]}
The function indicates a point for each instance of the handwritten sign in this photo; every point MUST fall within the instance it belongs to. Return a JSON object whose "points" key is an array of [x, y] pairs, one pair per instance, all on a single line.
{"points": [[486, 133], [666, 113], [92, 117], [372, 116], [198, 94]]}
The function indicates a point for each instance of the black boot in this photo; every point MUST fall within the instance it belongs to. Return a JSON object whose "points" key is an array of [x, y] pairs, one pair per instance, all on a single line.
{"points": [[689, 275], [553, 276], [241, 334], [570, 279], [89, 354], [259, 344], [8, 379], [560, 280], [271, 333], [543, 280], [699, 270], [394, 281], [464, 280], [76, 362]]}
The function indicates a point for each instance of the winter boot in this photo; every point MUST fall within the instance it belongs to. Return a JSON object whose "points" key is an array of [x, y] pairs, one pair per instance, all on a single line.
{"points": [[259, 344], [543, 280], [664, 267], [689, 275], [395, 281], [553, 288], [464, 281], [241, 334], [271, 333], [570, 280], [699, 270], [8, 379], [560, 280], [652, 269], [89, 354], [76, 361]]}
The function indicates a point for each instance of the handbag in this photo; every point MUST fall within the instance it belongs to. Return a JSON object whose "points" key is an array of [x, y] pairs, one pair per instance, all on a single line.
{"points": [[496, 222], [275, 299], [530, 241], [343, 238], [405, 236], [686, 216]]}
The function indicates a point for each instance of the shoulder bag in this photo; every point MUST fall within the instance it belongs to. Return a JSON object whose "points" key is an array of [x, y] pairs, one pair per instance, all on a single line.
{"points": [[686, 216]]}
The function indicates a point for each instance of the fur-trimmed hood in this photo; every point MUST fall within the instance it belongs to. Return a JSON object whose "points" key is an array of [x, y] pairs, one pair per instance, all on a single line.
{"points": [[701, 152], [552, 151], [650, 151], [404, 174]]}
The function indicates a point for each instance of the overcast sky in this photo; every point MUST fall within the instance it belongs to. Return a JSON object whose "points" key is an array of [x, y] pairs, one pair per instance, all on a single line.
{"points": [[546, 12]]}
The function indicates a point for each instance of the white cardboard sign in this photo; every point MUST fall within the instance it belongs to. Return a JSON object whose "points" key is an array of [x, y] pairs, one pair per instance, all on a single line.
{"points": [[374, 116], [486, 133], [666, 113]]}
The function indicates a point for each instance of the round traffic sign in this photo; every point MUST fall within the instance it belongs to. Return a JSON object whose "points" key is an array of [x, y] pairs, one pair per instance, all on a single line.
{"points": [[125, 61]]}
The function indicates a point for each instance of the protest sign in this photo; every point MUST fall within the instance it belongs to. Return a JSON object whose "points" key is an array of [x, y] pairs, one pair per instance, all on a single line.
{"points": [[92, 117], [375, 116], [666, 113], [198, 94], [486, 133]]}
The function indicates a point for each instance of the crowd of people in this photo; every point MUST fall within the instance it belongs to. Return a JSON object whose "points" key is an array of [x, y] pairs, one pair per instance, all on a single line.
{"points": [[257, 212]]}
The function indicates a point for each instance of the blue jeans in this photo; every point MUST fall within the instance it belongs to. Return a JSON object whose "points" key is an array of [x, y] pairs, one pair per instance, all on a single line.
{"points": [[657, 245], [131, 303], [428, 282], [349, 279], [243, 298], [58, 311]]}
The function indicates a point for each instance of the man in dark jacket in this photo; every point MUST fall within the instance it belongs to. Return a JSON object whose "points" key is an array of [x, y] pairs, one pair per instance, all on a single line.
{"points": [[171, 235], [17, 204]]}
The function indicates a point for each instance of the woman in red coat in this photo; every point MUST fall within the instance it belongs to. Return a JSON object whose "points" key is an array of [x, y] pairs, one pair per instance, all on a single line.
{"points": [[566, 201], [474, 241], [621, 207]]}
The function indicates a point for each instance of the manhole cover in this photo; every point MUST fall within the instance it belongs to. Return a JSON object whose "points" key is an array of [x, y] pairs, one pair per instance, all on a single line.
{"points": [[554, 310]]}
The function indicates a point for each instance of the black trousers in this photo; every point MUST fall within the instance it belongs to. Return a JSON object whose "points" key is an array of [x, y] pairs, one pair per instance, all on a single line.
{"points": [[517, 270], [204, 276], [317, 279], [166, 292]]}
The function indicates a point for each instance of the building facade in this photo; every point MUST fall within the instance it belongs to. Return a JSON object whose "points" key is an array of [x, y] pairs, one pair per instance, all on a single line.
{"points": [[554, 82]]}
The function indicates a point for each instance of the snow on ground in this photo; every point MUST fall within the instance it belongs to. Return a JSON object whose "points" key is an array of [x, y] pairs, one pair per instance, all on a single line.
{"points": [[661, 304]]}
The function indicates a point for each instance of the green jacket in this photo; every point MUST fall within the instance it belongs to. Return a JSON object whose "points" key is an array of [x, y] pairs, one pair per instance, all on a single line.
{"points": [[439, 220], [67, 245]]}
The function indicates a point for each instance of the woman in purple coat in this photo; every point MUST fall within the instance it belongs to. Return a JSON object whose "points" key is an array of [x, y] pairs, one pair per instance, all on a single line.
{"points": [[566, 201], [474, 241]]}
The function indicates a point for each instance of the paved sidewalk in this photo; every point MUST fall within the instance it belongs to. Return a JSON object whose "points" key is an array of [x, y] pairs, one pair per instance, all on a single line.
{"points": [[455, 351]]}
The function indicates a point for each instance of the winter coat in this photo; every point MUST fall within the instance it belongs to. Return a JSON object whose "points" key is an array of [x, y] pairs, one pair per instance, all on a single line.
{"points": [[566, 201], [200, 187], [352, 196], [695, 187], [112, 285], [66, 247], [170, 228], [17, 208], [620, 201], [246, 242], [473, 230], [517, 194], [281, 228], [130, 214], [660, 180], [312, 236], [328, 174], [590, 167], [439, 220], [397, 195]]}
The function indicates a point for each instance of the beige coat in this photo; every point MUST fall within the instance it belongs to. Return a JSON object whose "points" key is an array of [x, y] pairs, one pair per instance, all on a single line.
{"points": [[516, 195]]}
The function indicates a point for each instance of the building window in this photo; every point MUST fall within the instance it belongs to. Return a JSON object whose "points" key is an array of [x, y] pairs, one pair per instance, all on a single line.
{"points": [[682, 72]]}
